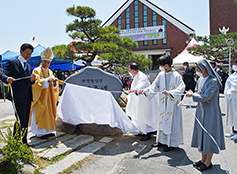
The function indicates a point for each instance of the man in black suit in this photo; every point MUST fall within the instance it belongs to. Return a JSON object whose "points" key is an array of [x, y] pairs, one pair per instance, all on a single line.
{"points": [[21, 89], [213, 64], [224, 77], [188, 77]]}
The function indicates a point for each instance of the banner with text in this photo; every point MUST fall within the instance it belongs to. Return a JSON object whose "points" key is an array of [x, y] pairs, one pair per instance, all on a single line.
{"points": [[147, 33]]}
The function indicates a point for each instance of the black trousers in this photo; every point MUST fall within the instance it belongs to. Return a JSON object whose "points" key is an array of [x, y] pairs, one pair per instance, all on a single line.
{"points": [[23, 111]]}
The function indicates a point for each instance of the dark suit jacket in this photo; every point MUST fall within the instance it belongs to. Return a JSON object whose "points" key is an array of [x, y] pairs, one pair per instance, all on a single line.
{"points": [[223, 76], [22, 89], [188, 79]]}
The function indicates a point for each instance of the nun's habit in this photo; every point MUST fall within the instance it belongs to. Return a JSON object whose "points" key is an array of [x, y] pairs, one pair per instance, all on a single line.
{"points": [[208, 112]]}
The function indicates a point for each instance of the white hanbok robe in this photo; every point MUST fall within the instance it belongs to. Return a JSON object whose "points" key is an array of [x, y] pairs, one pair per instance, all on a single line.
{"points": [[231, 100], [143, 112], [170, 115]]}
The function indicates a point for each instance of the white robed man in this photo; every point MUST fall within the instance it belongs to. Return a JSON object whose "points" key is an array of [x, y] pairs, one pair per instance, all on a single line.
{"points": [[169, 85], [231, 100], [45, 97], [143, 112]]}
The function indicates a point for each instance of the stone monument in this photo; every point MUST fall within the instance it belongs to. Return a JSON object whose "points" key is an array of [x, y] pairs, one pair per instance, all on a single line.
{"points": [[93, 77]]}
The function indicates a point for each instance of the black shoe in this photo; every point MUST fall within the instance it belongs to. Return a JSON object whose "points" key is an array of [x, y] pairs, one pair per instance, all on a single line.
{"points": [[157, 145], [50, 135], [204, 167], [43, 137], [197, 164], [138, 135], [154, 133], [146, 137], [46, 136], [167, 149]]}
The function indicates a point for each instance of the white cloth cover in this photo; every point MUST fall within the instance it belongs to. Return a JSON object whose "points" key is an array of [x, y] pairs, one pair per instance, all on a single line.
{"points": [[231, 100], [80, 104], [144, 113]]}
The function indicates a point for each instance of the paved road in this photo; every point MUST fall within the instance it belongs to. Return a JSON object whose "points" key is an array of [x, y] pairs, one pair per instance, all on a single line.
{"points": [[5, 109], [129, 155]]}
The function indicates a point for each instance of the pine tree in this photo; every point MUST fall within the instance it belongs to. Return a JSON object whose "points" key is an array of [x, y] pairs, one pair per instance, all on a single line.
{"points": [[94, 39]]}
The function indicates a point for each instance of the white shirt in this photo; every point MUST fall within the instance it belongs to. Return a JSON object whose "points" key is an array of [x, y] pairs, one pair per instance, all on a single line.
{"points": [[22, 60]]}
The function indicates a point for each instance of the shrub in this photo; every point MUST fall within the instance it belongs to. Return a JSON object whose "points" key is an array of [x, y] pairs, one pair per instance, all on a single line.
{"points": [[15, 151]]}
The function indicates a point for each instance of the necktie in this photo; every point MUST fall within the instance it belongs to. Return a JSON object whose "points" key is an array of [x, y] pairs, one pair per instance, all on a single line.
{"points": [[25, 68]]}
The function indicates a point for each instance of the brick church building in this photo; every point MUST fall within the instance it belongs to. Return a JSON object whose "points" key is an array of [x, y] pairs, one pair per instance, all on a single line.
{"points": [[222, 13], [142, 19]]}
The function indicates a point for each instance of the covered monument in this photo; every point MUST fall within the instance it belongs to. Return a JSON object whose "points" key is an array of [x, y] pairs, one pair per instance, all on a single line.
{"points": [[89, 100]]}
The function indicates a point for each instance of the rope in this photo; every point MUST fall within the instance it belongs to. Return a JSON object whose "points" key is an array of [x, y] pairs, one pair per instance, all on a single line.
{"points": [[203, 128], [198, 123], [22, 78], [103, 90], [14, 107], [13, 103]]}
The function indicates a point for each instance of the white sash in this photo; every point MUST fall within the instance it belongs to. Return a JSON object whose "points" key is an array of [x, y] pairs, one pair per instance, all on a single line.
{"points": [[166, 110]]}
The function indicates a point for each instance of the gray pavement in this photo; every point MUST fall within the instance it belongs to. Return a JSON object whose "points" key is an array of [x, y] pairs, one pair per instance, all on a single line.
{"points": [[5, 109], [129, 155]]}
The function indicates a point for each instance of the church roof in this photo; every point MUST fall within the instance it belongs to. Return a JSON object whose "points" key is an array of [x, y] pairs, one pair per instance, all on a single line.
{"points": [[186, 29]]}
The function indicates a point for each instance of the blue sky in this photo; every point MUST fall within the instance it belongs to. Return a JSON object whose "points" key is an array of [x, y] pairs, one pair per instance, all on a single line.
{"points": [[47, 19]]}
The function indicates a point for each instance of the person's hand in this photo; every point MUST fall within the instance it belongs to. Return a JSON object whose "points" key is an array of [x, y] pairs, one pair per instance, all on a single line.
{"points": [[50, 79], [132, 90], [140, 92], [199, 92], [182, 72], [126, 99], [32, 77], [188, 94], [165, 92], [55, 79], [10, 80]]}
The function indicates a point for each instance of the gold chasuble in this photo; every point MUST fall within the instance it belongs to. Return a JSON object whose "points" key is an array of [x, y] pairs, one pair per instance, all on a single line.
{"points": [[44, 99]]}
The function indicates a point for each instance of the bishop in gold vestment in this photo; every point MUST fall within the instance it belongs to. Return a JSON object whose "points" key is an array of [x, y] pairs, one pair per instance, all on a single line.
{"points": [[45, 97]]}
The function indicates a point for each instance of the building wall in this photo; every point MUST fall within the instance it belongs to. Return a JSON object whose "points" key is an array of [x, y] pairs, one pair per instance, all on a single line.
{"points": [[176, 38], [222, 13]]}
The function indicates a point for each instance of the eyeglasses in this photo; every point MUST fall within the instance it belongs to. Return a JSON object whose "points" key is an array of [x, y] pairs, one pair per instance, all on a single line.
{"points": [[46, 62], [27, 53]]}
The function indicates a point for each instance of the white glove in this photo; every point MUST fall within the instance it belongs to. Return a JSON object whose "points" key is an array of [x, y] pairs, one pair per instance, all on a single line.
{"points": [[46, 83]]}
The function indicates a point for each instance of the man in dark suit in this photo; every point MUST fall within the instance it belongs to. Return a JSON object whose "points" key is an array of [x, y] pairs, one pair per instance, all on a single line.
{"points": [[21, 95], [213, 64], [188, 77], [224, 77]]}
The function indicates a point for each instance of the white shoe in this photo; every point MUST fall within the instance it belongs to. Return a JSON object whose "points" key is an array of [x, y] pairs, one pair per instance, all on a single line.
{"points": [[234, 137], [230, 134]]}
